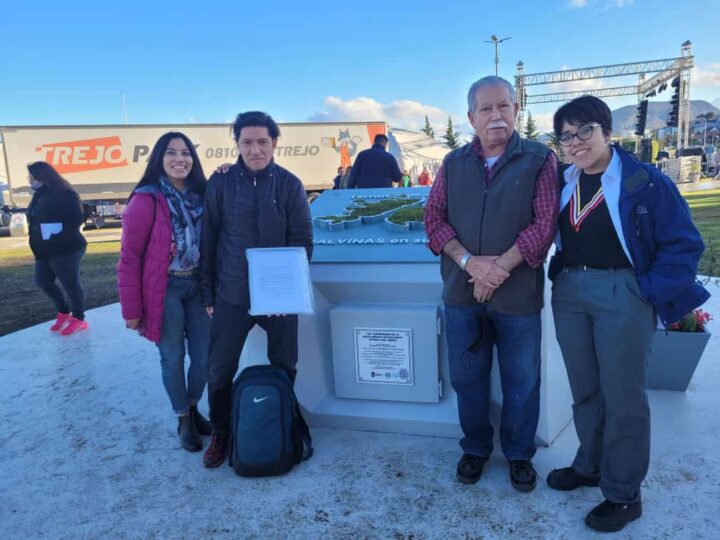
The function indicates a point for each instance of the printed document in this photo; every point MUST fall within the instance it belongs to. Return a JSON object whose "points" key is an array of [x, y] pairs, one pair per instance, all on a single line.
{"points": [[279, 281], [48, 229]]}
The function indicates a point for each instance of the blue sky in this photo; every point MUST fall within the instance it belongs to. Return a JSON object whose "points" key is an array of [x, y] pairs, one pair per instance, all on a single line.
{"points": [[185, 62]]}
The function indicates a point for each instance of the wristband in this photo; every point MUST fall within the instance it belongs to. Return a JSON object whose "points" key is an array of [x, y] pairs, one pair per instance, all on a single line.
{"points": [[465, 258]]}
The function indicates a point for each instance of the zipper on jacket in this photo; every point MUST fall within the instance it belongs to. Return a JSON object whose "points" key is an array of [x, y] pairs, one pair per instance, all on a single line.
{"points": [[482, 219], [256, 208], [486, 170]]}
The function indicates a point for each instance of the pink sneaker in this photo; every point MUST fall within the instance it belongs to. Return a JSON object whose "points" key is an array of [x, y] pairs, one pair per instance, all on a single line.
{"points": [[74, 326], [62, 318]]}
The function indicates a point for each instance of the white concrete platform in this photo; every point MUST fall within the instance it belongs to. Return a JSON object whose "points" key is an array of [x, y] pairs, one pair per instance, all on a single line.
{"points": [[88, 450]]}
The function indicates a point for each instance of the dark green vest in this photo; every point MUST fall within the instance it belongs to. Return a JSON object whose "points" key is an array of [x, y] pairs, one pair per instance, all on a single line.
{"points": [[488, 219]]}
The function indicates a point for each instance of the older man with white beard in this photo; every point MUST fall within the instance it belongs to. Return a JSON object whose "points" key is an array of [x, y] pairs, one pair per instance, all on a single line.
{"points": [[492, 215]]}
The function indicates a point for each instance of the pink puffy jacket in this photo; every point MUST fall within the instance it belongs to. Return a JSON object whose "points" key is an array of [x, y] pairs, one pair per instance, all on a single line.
{"points": [[144, 259]]}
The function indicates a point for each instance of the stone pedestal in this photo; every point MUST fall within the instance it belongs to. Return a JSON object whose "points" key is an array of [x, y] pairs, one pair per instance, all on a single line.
{"points": [[373, 356]]}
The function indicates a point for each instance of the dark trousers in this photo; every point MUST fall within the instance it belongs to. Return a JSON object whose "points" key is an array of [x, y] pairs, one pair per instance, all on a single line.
{"points": [[230, 327], [67, 270]]}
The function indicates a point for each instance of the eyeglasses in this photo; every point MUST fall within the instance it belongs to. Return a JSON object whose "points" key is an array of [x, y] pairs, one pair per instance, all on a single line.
{"points": [[584, 133]]}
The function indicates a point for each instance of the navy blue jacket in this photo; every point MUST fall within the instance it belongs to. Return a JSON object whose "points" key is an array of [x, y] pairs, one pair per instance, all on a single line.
{"points": [[374, 168], [664, 245]]}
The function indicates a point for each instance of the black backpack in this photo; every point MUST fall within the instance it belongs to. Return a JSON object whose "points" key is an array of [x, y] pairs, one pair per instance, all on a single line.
{"points": [[269, 434]]}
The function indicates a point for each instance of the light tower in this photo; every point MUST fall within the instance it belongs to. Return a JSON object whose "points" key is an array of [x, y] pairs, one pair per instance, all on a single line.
{"points": [[495, 41]]}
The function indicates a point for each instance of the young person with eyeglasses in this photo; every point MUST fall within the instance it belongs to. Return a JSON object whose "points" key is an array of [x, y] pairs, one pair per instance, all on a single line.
{"points": [[627, 254]]}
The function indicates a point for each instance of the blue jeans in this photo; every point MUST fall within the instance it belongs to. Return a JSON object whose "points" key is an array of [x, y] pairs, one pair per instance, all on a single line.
{"points": [[472, 332], [184, 318]]}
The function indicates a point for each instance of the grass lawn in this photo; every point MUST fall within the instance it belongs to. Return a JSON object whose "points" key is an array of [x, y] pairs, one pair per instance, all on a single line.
{"points": [[705, 208], [24, 305]]}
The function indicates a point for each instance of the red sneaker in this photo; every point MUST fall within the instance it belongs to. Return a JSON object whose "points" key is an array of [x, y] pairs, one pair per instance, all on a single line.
{"points": [[62, 318], [217, 451], [74, 326]]}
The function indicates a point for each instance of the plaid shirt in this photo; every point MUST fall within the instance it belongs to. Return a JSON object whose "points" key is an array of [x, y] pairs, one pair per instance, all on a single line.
{"points": [[533, 242]]}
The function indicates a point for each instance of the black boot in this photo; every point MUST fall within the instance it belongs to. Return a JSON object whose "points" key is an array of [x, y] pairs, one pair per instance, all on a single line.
{"points": [[189, 436], [202, 424]]}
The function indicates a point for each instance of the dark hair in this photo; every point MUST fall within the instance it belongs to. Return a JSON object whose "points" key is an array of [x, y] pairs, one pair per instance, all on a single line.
{"points": [[46, 173], [154, 170], [583, 110], [255, 119], [380, 138]]}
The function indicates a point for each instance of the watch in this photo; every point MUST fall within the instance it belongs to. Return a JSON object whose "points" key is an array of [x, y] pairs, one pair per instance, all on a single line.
{"points": [[465, 258]]}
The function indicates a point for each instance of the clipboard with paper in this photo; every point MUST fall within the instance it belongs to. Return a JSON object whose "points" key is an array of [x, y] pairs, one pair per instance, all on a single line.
{"points": [[279, 281]]}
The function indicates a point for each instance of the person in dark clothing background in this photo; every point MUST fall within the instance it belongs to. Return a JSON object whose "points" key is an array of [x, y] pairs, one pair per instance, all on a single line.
{"points": [[255, 204], [55, 215], [338, 178], [375, 167]]}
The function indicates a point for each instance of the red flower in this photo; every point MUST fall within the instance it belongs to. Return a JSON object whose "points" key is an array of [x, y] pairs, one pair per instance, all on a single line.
{"points": [[692, 322]]}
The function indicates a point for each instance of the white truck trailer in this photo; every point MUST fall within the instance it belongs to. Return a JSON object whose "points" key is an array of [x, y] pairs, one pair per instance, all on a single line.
{"points": [[103, 163]]}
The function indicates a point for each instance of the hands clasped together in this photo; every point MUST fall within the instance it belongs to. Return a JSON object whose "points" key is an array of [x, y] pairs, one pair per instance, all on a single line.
{"points": [[486, 275]]}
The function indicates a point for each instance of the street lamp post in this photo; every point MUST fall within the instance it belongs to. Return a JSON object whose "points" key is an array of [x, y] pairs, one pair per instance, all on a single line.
{"points": [[495, 41]]}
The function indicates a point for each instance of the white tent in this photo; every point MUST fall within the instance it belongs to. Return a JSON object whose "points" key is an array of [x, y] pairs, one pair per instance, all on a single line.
{"points": [[415, 150]]}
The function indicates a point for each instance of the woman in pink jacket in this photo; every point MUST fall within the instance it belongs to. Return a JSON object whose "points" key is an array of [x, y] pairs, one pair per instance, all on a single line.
{"points": [[158, 275]]}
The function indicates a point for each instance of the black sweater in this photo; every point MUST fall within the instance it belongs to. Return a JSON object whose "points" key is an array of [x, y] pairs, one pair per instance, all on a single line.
{"points": [[55, 206]]}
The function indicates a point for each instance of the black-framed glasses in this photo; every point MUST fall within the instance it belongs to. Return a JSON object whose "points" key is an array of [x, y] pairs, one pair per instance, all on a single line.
{"points": [[584, 133]]}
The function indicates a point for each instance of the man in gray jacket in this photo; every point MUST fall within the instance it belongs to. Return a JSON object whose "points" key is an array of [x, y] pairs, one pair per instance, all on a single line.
{"points": [[256, 203]]}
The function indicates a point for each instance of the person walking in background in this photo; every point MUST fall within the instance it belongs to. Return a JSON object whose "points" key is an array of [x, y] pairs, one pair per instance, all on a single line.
{"points": [[627, 253], [55, 215], [405, 180], [424, 178], [375, 167], [158, 275]]}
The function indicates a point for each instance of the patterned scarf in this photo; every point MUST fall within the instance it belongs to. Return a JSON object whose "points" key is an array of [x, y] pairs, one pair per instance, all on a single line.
{"points": [[186, 209]]}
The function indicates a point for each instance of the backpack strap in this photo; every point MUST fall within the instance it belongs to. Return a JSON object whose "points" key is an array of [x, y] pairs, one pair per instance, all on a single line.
{"points": [[302, 440]]}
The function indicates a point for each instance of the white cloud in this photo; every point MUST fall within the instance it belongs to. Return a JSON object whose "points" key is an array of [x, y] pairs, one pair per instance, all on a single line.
{"points": [[570, 86], [403, 113], [603, 4], [544, 122], [706, 77]]}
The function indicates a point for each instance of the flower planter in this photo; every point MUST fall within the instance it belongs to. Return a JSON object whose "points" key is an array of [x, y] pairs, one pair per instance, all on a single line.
{"points": [[673, 359]]}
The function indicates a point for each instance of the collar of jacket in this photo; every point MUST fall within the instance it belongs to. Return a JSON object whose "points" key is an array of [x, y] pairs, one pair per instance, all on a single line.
{"points": [[379, 146], [148, 188], [623, 177], [624, 174], [260, 175]]}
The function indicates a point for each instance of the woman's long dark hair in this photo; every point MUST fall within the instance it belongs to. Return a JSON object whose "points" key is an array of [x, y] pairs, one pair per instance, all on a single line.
{"points": [[46, 173], [196, 179]]}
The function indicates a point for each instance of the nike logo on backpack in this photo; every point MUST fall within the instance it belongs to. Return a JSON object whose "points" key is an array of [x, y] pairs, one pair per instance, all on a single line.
{"points": [[256, 400]]}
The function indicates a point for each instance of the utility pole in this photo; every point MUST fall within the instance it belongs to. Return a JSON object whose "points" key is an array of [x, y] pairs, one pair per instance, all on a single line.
{"points": [[495, 41], [124, 106]]}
